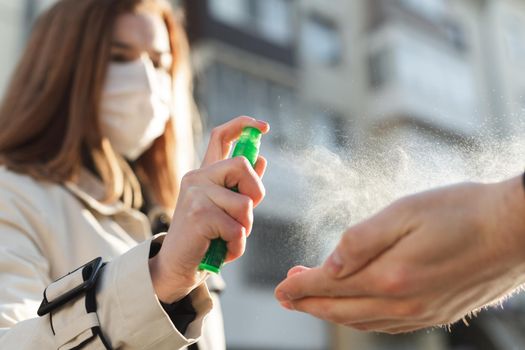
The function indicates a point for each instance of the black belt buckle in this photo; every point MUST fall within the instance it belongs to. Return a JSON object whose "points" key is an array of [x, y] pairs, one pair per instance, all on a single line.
{"points": [[90, 272]]}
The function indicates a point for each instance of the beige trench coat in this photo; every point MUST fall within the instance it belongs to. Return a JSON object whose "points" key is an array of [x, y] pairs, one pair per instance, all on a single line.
{"points": [[48, 230]]}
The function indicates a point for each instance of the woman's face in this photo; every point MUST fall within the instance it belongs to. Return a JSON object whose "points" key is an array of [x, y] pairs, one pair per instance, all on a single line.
{"points": [[138, 34], [137, 99]]}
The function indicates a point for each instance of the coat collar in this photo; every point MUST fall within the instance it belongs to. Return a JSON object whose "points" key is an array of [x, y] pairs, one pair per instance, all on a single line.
{"points": [[90, 191]]}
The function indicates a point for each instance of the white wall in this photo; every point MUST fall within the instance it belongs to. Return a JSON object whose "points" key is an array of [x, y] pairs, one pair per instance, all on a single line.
{"points": [[12, 33], [505, 46]]}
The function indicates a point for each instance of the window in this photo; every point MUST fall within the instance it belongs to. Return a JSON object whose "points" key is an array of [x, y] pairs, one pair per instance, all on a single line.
{"points": [[234, 12], [225, 92], [515, 39], [435, 75], [456, 35], [431, 9], [321, 41], [329, 129], [341, 138], [380, 68], [274, 20], [270, 19]]}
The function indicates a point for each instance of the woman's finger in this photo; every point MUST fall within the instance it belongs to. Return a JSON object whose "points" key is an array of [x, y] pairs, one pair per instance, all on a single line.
{"points": [[230, 231], [222, 137], [237, 173], [238, 206], [236, 247], [260, 166], [218, 224]]}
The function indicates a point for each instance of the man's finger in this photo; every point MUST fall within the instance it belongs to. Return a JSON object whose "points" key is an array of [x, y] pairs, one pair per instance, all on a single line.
{"points": [[296, 269], [342, 310], [367, 240], [384, 326], [315, 282]]}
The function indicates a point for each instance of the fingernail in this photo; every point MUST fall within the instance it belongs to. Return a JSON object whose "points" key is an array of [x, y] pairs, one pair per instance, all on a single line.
{"points": [[335, 263], [287, 305], [282, 296]]}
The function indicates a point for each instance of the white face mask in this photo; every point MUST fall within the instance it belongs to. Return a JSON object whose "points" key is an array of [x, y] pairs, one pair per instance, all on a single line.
{"points": [[136, 104]]}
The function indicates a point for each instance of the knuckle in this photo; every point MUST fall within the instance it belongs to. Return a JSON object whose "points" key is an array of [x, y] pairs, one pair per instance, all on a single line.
{"points": [[363, 327], [396, 281], [409, 310], [417, 309], [347, 240], [395, 331], [410, 203], [262, 191], [349, 245], [242, 163], [190, 178], [240, 249], [198, 209], [327, 312], [336, 317], [428, 314], [401, 204], [216, 132], [244, 119], [236, 232], [331, 312], [192, 193], [246, 204]]}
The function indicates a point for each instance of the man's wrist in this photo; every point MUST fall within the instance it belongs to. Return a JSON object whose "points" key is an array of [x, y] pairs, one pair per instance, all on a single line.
{"points": [[511, 219]]}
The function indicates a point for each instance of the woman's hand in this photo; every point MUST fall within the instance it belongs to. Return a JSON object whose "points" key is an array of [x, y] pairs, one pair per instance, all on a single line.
{"points": [[207, 209], [426, 260], [223, 137]]}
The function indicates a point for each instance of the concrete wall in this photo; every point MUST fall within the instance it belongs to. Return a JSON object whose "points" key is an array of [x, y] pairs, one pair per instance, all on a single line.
{"points": [[12, 32]]}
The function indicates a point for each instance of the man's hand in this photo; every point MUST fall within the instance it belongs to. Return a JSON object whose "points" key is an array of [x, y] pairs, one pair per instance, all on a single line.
{"points": [[426, 260]]}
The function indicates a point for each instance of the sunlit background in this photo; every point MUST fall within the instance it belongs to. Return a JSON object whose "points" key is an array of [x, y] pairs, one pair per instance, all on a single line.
{"points": [[354, 77]]}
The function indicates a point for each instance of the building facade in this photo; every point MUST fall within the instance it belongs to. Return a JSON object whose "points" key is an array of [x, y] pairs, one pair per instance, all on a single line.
{"points": [[355, 77], [359, 77]]}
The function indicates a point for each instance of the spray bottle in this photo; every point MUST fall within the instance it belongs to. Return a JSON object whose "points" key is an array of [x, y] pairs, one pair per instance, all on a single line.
{"points": [[248, 147]]}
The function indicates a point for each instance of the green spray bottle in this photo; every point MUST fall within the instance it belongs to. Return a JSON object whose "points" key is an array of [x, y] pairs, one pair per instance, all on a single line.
{"points": [[248, 147]]}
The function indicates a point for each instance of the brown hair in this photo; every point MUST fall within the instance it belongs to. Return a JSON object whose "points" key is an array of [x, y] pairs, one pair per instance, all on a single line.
{"points": [[49, 126]]}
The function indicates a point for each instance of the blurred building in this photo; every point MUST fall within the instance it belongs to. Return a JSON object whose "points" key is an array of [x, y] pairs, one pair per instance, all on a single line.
{"points": [[356, 76], [503, 33], [16, 18], [13, 24]]}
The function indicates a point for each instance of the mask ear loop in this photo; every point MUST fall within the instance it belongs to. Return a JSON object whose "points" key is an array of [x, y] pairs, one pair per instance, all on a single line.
{"points": [[151, 72], [160, 83]]}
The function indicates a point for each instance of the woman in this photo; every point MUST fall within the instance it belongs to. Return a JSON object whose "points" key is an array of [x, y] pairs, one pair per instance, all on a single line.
{"points": [[94, 134]]}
